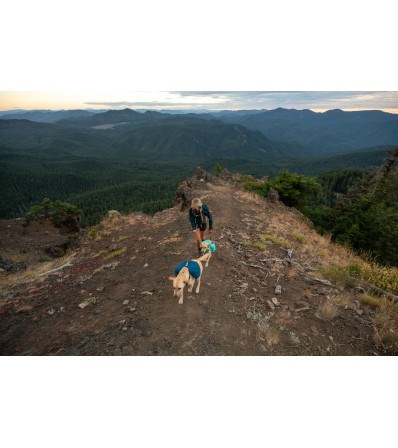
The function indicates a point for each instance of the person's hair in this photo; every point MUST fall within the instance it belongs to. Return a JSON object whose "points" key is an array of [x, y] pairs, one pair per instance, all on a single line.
{"points": [[196, 202]]}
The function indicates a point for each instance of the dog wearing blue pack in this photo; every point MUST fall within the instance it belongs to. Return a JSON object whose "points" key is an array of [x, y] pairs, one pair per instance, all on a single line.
{"points": [[185, 274], [207, 247]]}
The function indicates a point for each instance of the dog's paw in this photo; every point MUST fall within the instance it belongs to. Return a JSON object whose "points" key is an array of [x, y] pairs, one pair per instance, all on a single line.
{"points": [[197, 290], [181, 301]]}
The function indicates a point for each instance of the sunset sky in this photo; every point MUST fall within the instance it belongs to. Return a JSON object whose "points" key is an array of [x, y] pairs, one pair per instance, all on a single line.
{"points": [[214, 100]]}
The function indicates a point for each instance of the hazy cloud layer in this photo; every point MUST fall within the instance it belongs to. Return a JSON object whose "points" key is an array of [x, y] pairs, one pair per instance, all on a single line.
{"points": [[302, 100], [217, 100]]}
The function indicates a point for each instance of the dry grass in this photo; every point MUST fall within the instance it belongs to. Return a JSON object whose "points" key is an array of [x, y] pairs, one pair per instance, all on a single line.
{"points": [[115, 253], [276, 240], [247, 196], [298, 237], [371, 301], [338, 275], [100, 253], [385, 323], [327, 310], [341, 300], [258, 244], [175, 238], [31, 274]]}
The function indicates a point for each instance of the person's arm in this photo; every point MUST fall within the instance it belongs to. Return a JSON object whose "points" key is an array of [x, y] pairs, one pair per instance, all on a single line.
{"points": [[192, 219], [207, 213]]}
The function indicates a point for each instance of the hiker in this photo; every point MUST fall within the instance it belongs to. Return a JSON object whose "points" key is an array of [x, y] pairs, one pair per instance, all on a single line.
{"points": [[198, 215]]}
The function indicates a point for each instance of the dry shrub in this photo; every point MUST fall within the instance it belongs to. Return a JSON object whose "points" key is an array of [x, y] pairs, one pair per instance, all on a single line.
{"points": [[385, 278], [272, 336]]}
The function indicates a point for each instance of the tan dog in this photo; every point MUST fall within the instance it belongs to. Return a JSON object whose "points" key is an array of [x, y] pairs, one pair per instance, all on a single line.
{"points": [[184, 277], [207, 247]]}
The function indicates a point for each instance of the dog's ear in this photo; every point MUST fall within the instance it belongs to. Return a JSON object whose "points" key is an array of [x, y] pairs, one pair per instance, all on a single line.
{"points": [[172, 278]]}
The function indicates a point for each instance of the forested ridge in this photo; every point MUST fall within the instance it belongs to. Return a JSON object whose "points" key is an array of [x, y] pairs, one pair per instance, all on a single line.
{"points": [[136, 162]]}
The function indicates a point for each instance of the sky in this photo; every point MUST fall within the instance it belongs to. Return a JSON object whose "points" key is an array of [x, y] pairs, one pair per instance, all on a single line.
{"points": [[211, 100]]}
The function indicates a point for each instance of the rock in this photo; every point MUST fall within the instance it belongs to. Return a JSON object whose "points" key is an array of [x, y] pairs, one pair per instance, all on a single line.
{"points": [[62, 309], [274, 300], [51, 312], [146, 265], [271, 306], [278, 289], [23, 308], [126, 302], [124, 328], [100, 289], [132, 309], [127, 350], [8, 265], [252, 298], [314, 329], [360, 312], [147, 293], [324, 282], [244, 285], [273, 195], [82, 305], [122, 321]]}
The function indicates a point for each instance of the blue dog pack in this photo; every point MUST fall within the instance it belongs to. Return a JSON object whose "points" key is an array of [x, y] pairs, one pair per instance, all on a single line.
{"points": [[193, 268]]}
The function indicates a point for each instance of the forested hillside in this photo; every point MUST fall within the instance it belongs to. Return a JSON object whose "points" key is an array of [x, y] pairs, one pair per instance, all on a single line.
{"points": [[132, 167], [132, 161]]}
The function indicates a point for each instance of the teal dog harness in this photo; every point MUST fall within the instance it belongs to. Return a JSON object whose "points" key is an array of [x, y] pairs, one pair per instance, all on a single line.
{"points": [[211, 248]]}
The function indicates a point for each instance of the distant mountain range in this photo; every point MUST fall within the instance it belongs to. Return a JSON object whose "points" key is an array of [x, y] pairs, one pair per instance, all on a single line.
{"points": [[328, 132], [138, 158], [45, 116], [142, 135]]}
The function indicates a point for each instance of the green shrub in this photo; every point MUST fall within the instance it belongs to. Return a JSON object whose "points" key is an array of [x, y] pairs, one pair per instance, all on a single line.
{"points": [[60, 213]]}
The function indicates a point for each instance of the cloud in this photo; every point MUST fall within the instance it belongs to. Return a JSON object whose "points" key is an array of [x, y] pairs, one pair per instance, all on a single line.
{"points": [[217, 100], [146, 104], [301, 100]]}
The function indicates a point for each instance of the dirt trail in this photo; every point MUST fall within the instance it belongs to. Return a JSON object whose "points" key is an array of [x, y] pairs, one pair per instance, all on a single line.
{"points": [[123, 279]]}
